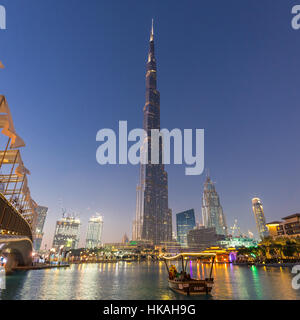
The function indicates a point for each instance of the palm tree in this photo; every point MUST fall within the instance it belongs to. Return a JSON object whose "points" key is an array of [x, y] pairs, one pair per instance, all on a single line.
{"points": [[289, 249], [262, 252], [272, 251], [278, 247]]}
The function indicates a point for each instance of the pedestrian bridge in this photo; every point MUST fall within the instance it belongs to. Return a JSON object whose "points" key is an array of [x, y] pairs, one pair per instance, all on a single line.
{"points": [[18, 216], [11, 221]]}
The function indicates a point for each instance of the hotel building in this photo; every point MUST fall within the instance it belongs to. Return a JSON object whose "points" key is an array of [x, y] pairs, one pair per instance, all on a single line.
{"points": [[289, 227]]}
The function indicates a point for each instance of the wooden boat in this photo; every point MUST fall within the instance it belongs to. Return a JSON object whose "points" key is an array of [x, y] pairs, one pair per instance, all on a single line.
{"points": [[183, 283]]}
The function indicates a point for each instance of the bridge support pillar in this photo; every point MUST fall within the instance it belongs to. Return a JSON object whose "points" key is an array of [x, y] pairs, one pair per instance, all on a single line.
{"points": [[11, 263]]}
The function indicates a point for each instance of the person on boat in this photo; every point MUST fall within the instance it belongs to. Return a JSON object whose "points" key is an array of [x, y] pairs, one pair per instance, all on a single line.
{"points": [[181, 277], [172, 272], [187, 276]]}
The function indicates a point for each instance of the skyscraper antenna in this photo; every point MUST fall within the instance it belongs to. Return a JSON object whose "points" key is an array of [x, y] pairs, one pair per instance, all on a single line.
{"points": [[207, 173], [62, 207], [152, 31]]}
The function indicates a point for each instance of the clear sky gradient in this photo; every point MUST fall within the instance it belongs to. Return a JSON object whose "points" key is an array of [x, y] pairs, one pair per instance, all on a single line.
{"points": [[231, 67]]}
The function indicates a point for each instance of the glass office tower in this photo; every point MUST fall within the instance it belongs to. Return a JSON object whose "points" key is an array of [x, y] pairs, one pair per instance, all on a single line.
{"points": [[185, 221]]}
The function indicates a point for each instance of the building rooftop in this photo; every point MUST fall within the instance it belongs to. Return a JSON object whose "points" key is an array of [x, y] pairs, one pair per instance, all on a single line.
{"points": [[274, 222], [296, 215]]}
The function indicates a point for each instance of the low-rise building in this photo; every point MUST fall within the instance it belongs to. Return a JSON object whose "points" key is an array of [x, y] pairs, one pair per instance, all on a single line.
{"points": [[289, 227]]}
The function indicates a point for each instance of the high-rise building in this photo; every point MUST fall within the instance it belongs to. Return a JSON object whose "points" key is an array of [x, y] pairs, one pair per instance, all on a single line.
{"points": [[185, 221], [153, 220], [212, 211], [41, 213], [67, 233], [125, 239], [260, 219], [235, 229], [94, 232]]}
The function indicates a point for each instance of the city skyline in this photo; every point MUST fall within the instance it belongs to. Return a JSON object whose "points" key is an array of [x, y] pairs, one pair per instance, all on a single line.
{"points": [[236, 119]]}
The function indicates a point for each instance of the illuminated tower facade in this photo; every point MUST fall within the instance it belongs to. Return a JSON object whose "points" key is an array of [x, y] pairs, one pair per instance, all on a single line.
{"points": [[67, 233], [153, 220], [212, 211], [94, 232], [260, 219]]}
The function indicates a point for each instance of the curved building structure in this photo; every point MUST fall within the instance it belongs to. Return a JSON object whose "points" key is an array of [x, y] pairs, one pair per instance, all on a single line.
{"points": [[260, 219]]}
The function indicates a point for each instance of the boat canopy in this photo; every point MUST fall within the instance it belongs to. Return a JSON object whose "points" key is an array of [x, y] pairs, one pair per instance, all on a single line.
{"points": [[189, 254]]}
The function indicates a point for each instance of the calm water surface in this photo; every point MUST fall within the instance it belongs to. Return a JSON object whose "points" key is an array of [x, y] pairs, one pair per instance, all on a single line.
{"points": [[146, 280]]}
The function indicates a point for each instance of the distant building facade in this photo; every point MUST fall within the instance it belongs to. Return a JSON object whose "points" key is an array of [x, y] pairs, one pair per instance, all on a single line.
{"points": [[185, 221], [203, 238], [289, 227], [94, 232], [260, 219], [67, 233], [41, 213], [212, 211]]}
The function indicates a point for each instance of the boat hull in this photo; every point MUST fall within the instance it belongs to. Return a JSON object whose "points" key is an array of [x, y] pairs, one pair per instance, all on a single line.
{"points": [[192, 287]]}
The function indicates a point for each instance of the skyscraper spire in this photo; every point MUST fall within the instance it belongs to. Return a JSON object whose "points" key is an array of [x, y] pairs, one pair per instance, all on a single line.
{"points": [[152, 32], [151, 57]]}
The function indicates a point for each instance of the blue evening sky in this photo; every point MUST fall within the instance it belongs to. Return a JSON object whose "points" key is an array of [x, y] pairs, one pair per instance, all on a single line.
{"points": [[231, 67]]}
